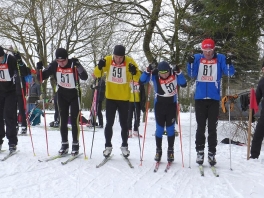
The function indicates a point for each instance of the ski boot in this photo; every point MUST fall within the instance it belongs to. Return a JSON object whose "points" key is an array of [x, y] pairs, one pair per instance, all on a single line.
{"points": [[12, 148], [125, 151], [64, 148], [158, 154], [211, 158], [170, 154], [107, 152], [23, 130], [200, 157], [75, 148]]}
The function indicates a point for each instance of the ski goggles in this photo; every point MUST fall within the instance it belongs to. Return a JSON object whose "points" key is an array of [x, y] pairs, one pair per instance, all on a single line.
{"points": [[163, 72], [207, 50]]}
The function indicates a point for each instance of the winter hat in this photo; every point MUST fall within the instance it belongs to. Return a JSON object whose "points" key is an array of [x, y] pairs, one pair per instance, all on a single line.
{"points": [[208, 44], [2, 53], [119, 50], [163, 67], [61, 53]]}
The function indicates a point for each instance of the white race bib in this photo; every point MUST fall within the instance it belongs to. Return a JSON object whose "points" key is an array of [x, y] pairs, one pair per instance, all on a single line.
{"points": [[4, 73], [134, 86], [65, 78], [117, 73], [169, 86], [207, 70]]}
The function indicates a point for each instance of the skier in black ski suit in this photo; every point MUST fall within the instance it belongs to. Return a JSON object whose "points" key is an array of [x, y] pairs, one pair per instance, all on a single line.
{"points": [[63, 70], [259, 132], [8, 98]]}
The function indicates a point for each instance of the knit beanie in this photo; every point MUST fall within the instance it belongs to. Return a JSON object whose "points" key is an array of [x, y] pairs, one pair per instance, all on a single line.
{"points": [[61, 53], [119, 50]]}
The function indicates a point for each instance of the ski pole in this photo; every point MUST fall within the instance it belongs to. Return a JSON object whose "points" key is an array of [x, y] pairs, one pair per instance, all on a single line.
{"points": [[94, 107], [45, 125], [25, 108], [190, 129], [80, 110], [135, 115], [146, 117], [228, 66]]}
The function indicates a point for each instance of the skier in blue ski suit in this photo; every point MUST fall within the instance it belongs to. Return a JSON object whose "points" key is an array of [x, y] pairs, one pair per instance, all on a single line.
{"points": [[207, 69], [165, 81]]}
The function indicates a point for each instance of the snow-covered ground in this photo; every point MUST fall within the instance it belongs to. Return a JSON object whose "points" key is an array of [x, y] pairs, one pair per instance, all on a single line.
{"points": [[23, 176]]}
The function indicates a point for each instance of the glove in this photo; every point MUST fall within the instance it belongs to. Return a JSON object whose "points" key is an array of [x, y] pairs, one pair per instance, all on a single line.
{"points": [[143, 109], [40, 97], [191, 59], [76, 62], [39, 65], [149, 68], [17, 55], [132, 69], [176, 69], [228, 60], [155, 72], [101, 64]]}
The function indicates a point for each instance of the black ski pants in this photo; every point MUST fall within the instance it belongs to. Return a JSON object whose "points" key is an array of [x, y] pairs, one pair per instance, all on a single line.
{"points": [[8, 117], [131, 112], [258, 136], [206, 110], [66, 102], [111, 107]]}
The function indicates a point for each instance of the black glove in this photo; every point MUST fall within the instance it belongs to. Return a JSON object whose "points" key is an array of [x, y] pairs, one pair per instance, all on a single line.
{"points": [[132, 69], [143, 109], [149, 68], [76, 62], [191, 59], [18, 57], [155, 72], [101, 64], [228, 60], [176, 69], [39, 65]]}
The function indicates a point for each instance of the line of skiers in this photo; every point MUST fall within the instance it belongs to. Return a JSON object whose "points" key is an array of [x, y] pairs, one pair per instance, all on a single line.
{"points": [[123, 85]]}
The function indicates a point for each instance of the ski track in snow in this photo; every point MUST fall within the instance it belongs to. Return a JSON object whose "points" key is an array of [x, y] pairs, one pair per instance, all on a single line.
{"points": [[23, 176]]}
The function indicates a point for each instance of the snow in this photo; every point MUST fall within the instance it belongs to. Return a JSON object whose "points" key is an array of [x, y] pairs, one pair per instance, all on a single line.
{"points": [[23, 176]]}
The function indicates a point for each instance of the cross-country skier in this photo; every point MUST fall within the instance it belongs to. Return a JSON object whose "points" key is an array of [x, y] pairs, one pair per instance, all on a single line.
{"points": [[165, 81], [63, 70], [207, 69], [8, 98], [119, 69]]}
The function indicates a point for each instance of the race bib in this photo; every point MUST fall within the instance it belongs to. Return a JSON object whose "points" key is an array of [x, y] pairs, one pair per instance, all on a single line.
{"points": [[4, 73], [117, 73], [134, 86], [169, 86], [65, 78], [207, 70]]}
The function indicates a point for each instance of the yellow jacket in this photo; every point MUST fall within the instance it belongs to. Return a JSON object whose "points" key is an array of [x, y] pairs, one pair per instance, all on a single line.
{"points": [[118, 78]]}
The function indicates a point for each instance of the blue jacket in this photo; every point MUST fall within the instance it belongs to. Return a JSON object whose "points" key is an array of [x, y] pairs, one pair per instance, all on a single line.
{"points": [[206, 90], [145, 77]]}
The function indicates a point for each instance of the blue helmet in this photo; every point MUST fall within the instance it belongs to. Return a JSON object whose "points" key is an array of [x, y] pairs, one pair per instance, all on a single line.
{"points": [[163, 67]]}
